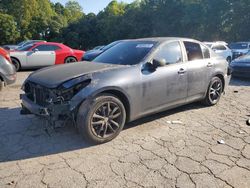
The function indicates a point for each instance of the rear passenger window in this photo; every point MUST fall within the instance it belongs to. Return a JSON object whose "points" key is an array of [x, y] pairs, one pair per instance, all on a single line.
{"points": [[219, 47], [171, 52], [205, 52], [193, 51]]}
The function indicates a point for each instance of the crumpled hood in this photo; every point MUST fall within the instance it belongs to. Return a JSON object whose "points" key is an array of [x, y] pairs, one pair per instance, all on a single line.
{"points": [[243, 59], [52, 77]]}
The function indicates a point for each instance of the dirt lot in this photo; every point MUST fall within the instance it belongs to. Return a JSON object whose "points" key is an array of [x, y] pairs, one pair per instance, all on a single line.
{"points": [[151, 152]]}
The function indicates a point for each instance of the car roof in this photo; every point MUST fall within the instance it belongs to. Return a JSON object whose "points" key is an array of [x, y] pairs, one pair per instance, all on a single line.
{"points": [[164, 39]]}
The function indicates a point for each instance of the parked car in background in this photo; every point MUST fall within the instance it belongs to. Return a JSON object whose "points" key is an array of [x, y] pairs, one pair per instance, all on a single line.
{"points": [[221, 49], [239, 48], [241, 66], [92, 54], [133, 79], [7, 70], [21, 44], [44, 54], [98, 47]]}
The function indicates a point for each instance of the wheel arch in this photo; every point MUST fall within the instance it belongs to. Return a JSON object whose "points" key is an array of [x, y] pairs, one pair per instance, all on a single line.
{"points": [[70, 56], [220, 75], [122, 97]]}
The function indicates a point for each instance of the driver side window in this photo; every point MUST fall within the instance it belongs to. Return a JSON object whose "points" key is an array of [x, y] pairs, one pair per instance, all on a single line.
{"points": [[170, 52]]}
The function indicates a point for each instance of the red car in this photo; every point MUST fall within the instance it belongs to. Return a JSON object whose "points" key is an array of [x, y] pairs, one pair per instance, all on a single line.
{"points": [[43, 54]]}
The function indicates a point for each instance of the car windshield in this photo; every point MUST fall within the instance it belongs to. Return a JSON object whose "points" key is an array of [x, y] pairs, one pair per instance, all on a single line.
{"points": [[25, 48], [126, 53], [21, 43], [242, 45], [109, 45]]}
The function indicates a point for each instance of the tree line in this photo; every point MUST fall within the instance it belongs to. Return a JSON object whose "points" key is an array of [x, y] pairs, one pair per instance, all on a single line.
{"points": [[206, 20]]}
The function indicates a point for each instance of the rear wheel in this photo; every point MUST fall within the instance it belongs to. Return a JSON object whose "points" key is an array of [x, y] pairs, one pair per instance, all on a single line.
{"points": [[214, 92], [16, 63], [101, 119], [70, 60]]}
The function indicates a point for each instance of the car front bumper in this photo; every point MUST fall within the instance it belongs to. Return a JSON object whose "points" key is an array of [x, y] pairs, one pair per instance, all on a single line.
{"points": [[241, 71], [54, 111]]}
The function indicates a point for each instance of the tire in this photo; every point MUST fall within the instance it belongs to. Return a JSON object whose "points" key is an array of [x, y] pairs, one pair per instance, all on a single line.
{"points": [[16, 63], [1, 85], [229, 59], [70, 60], [101, 119], [214, 92]]}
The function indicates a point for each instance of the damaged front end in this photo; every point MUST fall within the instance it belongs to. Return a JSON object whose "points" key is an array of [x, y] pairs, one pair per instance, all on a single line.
{"points": [[52, 104]]}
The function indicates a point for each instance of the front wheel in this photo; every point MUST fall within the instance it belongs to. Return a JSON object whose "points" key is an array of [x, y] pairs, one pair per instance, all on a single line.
{"points": [[214, 92], [16, 63], [101, 119]]}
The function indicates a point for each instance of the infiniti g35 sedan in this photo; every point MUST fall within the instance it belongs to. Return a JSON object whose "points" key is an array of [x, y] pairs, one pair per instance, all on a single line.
{"points": [[133, 79]]}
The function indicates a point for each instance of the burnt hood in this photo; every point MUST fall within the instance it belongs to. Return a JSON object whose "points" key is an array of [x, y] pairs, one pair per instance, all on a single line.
{"points": [[52, 77]]}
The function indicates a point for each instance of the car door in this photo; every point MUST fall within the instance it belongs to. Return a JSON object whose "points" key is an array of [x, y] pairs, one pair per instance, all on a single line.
{"points": [[41, 55], [166, 85], [199, 69]]}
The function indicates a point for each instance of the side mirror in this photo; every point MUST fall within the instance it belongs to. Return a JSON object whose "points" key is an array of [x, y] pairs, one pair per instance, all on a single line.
{"points": [[159, 63], [35, 50]]}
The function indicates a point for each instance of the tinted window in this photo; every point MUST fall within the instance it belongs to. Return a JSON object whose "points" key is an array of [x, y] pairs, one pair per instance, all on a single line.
{"points": [[110, 45], [25, 48], [205, 52], [47, 48], [171, 52], [193, 51], [126, 53], [219, 47]]}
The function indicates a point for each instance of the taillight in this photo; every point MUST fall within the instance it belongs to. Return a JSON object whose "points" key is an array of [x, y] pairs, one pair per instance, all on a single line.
{"points": [[7, 57]]}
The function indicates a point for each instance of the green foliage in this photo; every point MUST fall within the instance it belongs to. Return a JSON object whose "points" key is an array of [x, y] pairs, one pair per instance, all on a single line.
{"points": [[201, 19], [8, 29]]}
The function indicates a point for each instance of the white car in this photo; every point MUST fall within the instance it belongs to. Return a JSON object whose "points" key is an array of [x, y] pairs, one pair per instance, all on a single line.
{"points": [[221, 49]]}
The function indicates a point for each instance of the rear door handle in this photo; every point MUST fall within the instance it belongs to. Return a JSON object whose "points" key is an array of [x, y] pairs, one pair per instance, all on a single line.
{"points": [[209, 64], [181, 71]]}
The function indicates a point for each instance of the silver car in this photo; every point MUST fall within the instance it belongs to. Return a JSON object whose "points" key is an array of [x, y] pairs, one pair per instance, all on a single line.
{"points": [[7, 69], [132, 79]]}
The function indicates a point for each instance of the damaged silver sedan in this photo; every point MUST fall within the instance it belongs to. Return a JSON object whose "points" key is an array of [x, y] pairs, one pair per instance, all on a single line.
{"points": [[133, 79]]}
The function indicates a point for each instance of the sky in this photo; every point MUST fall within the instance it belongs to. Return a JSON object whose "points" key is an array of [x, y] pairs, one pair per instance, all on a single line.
{"points": [[94, 6]]}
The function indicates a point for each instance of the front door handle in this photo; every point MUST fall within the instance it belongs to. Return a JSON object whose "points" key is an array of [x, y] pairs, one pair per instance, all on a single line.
{"points": [[181, 71], [209, 64]]}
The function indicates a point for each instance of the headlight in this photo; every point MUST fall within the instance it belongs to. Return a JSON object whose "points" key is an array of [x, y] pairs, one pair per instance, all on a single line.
{"points": [[70, 88]]}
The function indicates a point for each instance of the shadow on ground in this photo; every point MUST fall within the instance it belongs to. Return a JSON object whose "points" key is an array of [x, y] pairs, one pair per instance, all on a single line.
{"points": [[24, 137]]}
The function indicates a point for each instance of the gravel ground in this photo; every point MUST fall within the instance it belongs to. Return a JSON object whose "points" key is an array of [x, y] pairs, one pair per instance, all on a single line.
{"points": [[150, 152]]}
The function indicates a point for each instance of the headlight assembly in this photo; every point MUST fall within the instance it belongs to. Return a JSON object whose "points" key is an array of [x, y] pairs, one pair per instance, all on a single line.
{"points": [[70, 88]]}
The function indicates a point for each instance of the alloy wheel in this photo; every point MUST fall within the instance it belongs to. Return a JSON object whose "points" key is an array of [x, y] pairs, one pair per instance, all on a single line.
{"points": [[106, 120], [70, 60], [215, 91]]}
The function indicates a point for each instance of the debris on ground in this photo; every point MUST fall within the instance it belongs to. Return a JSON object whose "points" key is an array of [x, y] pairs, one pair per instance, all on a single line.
{"points": [[175, 122], [11, 183], [248, 122], [241, 132], [221, 142], [236, 91]]}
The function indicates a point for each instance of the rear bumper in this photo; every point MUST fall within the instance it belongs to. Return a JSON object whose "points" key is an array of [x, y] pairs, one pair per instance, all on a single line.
{"points": [[53, 111], [10, 79]]}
